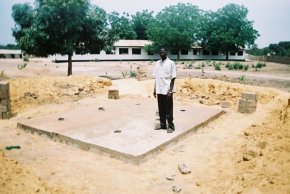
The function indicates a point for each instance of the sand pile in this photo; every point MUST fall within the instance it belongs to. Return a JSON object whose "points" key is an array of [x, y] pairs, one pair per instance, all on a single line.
{"points": [[213, 92], [14, 178], [265, 163], [27, 92]]}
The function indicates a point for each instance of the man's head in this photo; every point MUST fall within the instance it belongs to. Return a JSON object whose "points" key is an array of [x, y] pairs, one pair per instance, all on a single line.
{"points": [[163, 53]]}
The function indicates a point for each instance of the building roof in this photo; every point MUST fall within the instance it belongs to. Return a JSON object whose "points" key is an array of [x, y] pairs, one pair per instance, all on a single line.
{"points": [[7, 51], [131, 43]]}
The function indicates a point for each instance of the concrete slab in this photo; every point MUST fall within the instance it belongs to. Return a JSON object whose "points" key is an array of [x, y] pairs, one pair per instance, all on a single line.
{"points": [[122, 128]]}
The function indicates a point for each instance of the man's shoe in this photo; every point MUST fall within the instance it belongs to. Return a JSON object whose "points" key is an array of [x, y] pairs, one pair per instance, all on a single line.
{"points": [[160, 128], [169, 130], [172, 127]]}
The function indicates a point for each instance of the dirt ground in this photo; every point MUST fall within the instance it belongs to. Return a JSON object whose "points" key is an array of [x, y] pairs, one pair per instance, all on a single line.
{"points": [[236, 153]]}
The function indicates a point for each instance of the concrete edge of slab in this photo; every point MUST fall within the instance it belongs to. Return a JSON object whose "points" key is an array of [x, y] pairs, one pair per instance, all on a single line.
{"points": [[176, 139], [135, 159]]}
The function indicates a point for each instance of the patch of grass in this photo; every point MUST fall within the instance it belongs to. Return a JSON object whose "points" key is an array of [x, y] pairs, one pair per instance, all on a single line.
{"points": [[199, 67], [22, 66], [3, 75], [242, 78], [124, 74], [246, 67], [188, 66]]}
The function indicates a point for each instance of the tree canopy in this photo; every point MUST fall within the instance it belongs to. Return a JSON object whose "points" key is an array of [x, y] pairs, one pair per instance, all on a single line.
{"points": [[174, 28], [140, 23], [120, 26], [59, 27], [282, 49], [228, 29]]}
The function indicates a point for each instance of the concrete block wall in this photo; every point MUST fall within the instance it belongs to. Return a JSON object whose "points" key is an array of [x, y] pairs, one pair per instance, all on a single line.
{"points": [[5, 109], [248, 103]]}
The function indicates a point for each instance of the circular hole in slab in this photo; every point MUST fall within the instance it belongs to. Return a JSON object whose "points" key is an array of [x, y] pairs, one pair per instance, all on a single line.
{"points": [[117, 131]]}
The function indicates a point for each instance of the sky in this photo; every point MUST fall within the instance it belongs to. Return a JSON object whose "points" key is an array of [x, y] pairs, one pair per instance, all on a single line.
{"points": [[270, 17]]}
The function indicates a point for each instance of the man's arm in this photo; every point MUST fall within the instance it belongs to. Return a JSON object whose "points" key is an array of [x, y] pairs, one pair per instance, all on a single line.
{"points": [[172, 84], [171, 87], [154, 92]]}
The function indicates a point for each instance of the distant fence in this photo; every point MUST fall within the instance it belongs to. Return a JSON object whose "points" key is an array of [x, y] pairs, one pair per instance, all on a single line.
{"points": [[283, 60]]}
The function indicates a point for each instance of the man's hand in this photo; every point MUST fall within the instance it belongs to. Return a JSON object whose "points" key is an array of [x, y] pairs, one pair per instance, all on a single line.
{"points": [[154, 94], [169, 94]]}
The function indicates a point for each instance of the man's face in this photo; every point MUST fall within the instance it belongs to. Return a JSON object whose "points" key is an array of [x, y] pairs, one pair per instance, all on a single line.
{"points": [[162, 54]]}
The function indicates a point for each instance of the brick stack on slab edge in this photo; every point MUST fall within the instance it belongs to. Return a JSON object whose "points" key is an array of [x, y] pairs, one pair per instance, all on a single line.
{"points": [[113, 93], [248, 103], [5, 108]]}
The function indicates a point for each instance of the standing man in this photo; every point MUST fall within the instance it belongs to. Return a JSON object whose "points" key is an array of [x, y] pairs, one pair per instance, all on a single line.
{"points": [[164, 73]]}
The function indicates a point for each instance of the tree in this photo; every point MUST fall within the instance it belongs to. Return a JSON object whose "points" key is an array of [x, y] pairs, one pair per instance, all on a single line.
{"points": [[174, 28], [23, 15], [228, 29], [9, 47], [254, 50], [59, 27], [140, 23], [281, 49], [121, 26]]}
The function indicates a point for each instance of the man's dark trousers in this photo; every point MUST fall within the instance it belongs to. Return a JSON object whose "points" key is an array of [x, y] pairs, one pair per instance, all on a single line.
{"points": [[165, 108]]}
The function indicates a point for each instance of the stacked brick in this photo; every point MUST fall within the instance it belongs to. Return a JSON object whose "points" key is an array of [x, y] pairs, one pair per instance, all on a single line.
{"points": [[248, 103], [5, 109], [113, 94]]}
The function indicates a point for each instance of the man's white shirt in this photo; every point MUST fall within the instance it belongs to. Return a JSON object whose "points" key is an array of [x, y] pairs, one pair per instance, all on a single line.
{"points": [[163, 72]]}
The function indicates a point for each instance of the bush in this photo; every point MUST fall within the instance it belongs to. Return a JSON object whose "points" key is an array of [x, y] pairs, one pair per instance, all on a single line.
{"points": [[260, 65], [132, 73], [208, 62], [246, 67], [217, 66], [236, 65], [230, 66], [25, 58], [241, 66]]}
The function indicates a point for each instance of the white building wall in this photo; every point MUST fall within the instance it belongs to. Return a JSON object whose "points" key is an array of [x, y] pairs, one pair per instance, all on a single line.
{"points": [[10, 54], [143, 56]]}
